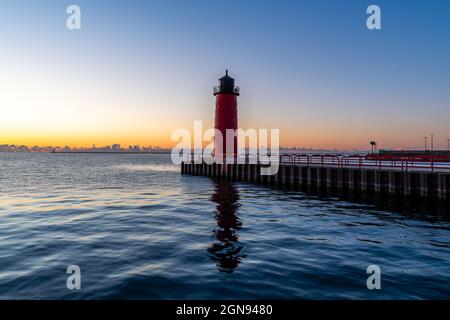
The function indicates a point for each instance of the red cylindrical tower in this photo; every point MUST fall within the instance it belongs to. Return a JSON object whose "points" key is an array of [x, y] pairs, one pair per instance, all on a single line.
{"points": [[226, 112]]}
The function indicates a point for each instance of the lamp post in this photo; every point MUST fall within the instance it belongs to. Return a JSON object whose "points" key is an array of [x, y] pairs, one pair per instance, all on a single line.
{"points": [[373, 144], [432, 142], [425, 139]]}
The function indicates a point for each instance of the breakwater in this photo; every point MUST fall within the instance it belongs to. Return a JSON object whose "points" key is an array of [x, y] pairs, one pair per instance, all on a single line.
{"points": [[392, 179]]}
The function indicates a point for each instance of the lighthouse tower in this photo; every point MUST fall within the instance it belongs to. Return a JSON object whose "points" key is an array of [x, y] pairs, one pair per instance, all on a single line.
{"points": [[226, 112]]}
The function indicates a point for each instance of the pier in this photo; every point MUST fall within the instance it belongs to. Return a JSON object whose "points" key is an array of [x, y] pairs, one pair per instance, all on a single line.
{"points": [[413, 173], [334, 172]]}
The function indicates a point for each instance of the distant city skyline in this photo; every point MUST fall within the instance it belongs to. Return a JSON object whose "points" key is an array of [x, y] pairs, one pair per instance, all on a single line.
{"points": [[134, 73], [119, 147]]}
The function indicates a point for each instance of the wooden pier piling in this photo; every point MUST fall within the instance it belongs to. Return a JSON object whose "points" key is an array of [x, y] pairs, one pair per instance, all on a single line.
{"points": [[434, 185]]}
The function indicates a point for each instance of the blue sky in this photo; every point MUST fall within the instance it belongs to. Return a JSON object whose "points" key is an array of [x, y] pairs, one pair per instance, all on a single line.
{"points": [[139, 69]]}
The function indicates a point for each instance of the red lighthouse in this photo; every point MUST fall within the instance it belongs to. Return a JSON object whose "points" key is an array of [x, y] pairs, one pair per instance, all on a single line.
{"points": [[226, 112]]}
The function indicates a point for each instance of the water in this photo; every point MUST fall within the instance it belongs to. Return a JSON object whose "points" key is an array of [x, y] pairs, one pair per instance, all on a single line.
{"points": [[139, 229]]}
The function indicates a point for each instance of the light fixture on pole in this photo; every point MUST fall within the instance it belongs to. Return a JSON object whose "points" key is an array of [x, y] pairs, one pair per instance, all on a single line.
{"points": [[373, 144]]}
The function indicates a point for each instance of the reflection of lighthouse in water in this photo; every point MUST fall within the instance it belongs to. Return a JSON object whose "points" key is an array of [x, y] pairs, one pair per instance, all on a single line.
{"points": [[226, 247]]}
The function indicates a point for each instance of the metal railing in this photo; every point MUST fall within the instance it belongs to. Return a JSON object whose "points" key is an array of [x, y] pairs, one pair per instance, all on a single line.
{"points": [[359, 161], [406, 164]]}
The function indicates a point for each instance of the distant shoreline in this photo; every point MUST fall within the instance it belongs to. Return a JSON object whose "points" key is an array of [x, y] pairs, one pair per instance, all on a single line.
{"points": [[92, 152], [112, 152]]}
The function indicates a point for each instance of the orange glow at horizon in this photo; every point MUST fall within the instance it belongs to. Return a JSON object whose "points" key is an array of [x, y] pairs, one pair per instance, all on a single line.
{"points": [[302, 138]]}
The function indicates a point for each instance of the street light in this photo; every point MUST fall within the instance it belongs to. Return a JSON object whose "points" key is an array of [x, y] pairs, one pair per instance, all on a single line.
{"points": [[373, 144], [448, 144], [425, 138], [432, 142]]}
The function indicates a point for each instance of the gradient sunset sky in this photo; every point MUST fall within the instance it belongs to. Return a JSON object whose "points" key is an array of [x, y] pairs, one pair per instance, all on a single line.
{"points": [[140, 69]]}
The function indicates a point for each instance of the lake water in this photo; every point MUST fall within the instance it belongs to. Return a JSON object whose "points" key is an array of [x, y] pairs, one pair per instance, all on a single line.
{"points": [[138, 229]]}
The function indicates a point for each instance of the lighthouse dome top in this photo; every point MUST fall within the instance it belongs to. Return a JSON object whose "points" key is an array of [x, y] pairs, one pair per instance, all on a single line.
{"points": [[226, 76], [226, 85]]}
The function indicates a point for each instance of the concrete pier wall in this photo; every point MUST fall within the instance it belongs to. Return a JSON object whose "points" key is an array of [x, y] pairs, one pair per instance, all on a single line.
{"points": [[415, 184]]}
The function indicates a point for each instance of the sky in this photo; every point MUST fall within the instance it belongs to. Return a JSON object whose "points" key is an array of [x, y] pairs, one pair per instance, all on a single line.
{"points": [[138, 70]]}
